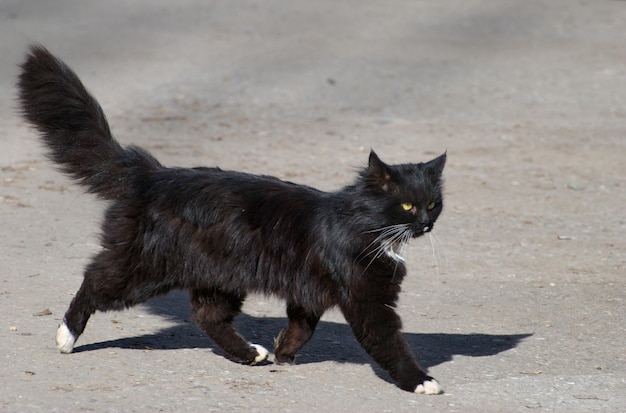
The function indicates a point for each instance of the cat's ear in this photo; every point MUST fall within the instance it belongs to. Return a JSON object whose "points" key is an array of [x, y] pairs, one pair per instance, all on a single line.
{"points": [[378, 173], [435, 167]]}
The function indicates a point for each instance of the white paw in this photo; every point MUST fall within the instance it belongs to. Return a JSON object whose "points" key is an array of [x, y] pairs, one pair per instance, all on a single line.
{"points": [[429, 387], [263, 354], [65, 339]]}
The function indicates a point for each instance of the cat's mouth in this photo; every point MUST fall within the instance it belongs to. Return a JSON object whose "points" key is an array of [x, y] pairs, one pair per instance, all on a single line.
{"points": [[421, 230]]}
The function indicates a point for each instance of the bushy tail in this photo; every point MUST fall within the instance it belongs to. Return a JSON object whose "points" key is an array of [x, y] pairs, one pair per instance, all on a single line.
{"points": [[75, 130]]}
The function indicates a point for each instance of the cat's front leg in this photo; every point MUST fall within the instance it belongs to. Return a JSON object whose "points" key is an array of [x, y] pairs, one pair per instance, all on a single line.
{"points": [[377, 328]]}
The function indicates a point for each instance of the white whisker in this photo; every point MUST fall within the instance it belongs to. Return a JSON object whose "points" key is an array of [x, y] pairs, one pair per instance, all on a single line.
{"points": [[439, 252], [442, 248], [406, 236], [385, 232], [387, 242], [432, 247], [390, 227]]}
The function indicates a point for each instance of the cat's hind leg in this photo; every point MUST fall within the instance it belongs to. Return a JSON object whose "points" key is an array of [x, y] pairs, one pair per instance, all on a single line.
{"points": [[213, 311], [290, 340], [93, 294], [108, 284]]}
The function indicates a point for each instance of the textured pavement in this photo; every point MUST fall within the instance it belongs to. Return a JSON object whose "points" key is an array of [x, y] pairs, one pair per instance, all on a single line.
{"points": [[516, 305]]}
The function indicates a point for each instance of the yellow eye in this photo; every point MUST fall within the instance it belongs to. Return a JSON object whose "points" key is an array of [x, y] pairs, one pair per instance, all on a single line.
{"points": [[407, 206], [431, 206]]}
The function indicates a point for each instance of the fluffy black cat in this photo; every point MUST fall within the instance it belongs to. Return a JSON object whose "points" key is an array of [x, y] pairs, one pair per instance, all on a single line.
{"points": [[222, 234]]}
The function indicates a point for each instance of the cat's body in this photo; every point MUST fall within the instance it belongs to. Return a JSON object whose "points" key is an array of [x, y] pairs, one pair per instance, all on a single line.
{"points": [[222, 234]]}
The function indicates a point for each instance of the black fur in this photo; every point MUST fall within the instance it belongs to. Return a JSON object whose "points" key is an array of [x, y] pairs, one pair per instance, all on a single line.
{"points": [[222, 234]]}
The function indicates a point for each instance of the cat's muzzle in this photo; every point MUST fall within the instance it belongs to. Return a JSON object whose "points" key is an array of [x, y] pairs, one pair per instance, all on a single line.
{"points": [[421, 230]]}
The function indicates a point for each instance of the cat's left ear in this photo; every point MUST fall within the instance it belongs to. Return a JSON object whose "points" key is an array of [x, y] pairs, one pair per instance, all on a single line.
{"points": [[378, 172], [435, 167]]}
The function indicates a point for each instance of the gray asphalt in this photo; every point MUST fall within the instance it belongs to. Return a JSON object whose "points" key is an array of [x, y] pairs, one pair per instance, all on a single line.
{"points": [[516, 305]]}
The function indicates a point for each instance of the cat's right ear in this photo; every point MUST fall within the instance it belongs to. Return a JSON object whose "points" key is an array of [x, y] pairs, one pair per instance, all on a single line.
{"points": [[378, 172], [436, 165]]}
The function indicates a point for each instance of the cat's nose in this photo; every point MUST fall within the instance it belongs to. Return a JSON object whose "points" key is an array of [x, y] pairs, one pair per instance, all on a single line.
{"points": [[424, 221]]}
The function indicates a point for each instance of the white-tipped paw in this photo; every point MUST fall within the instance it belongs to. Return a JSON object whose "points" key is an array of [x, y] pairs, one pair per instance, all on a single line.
{"points": [[262, 352], [429, 387], [65, 339]]}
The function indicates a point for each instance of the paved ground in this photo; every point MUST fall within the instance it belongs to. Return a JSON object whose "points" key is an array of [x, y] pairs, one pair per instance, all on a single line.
{"points": [[518, 307]]}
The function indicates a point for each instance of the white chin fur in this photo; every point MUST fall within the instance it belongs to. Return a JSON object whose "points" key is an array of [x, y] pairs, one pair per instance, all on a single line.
{"points": [[393, 252], [65, 339], [263, 353], [429, 387]]}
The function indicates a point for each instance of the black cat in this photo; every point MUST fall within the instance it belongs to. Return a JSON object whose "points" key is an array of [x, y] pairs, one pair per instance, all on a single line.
{"points": [[222, 234]]}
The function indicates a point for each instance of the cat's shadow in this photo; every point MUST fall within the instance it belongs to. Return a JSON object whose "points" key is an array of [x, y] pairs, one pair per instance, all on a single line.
{"points": [[331, 341]]}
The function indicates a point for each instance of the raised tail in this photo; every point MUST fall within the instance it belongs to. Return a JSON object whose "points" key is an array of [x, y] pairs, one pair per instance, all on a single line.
{"points": [[75, 130]]}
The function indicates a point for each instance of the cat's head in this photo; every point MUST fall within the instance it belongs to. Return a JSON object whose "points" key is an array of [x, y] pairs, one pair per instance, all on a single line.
{"points": [[408, 195]]}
